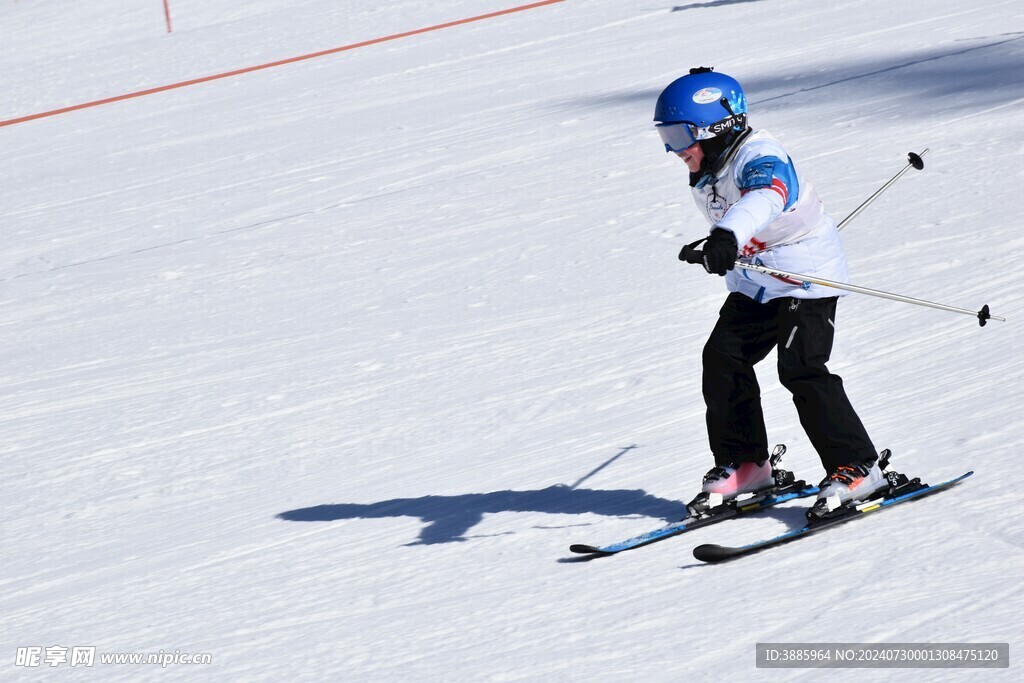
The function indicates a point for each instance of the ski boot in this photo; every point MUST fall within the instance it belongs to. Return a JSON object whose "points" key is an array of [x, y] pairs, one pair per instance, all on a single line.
{"points": [[851, 485], [723, 485]]}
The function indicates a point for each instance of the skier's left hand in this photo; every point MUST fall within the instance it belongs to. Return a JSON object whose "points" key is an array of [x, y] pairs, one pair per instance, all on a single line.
{"points": [[720, 252]]}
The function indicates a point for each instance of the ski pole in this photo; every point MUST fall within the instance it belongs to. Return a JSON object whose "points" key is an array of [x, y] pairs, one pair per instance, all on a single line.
{"points": [[690, 254], [913, 161]]}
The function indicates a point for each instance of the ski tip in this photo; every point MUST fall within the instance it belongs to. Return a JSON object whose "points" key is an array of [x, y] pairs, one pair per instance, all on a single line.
{"points": [[712, 552], [586, 549]]}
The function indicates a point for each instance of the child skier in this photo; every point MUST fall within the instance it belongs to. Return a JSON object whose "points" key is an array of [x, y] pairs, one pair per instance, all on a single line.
{"points": [[761, 209]]}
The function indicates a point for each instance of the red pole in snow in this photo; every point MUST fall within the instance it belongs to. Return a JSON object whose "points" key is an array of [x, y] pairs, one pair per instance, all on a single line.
{"points": [[167, 13]]}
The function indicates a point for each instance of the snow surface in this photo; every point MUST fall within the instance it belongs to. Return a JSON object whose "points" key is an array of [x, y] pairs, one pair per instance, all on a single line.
{"points": [[321, 369]]}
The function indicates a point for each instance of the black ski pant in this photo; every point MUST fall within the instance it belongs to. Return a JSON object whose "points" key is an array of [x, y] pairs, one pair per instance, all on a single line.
{"points": [[802, 331]]}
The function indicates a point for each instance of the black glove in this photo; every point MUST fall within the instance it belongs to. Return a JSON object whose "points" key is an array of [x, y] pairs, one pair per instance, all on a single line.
{"points": [[720, 252]]}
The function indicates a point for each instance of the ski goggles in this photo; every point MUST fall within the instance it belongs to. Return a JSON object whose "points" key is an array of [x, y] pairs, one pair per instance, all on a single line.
{"points": [[679, 136]]}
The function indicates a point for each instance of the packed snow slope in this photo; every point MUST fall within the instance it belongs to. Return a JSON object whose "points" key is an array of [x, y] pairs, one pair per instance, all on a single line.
{"points": [[320, 369]]}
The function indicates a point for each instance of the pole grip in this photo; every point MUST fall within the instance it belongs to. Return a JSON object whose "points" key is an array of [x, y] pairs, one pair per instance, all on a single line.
{"points": [[691, 254]]}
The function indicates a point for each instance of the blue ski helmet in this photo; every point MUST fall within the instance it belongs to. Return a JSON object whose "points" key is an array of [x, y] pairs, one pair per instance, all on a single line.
{"points": [[707, 104]]}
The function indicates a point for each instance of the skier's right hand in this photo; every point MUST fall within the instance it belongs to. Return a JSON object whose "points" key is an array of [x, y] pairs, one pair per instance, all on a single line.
{"points": [[720, 252]]}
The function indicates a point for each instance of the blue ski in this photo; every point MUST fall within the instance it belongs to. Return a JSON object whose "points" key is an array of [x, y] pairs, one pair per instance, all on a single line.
{"points": [[720, 513], [911, 490]]}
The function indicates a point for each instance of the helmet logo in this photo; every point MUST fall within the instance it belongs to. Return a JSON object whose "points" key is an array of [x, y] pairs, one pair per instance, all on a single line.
{"points": [[707, 95]]}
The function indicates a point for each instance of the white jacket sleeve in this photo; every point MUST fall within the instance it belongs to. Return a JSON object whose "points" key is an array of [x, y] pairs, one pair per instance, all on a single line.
{"points": [[747, 217]]}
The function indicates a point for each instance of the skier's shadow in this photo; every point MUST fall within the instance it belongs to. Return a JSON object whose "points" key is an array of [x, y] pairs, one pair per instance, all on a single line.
{"points": [[449, 518]]}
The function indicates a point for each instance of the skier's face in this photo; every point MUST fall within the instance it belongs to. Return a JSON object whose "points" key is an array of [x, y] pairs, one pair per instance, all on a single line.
{"points": [[692, 156]]}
